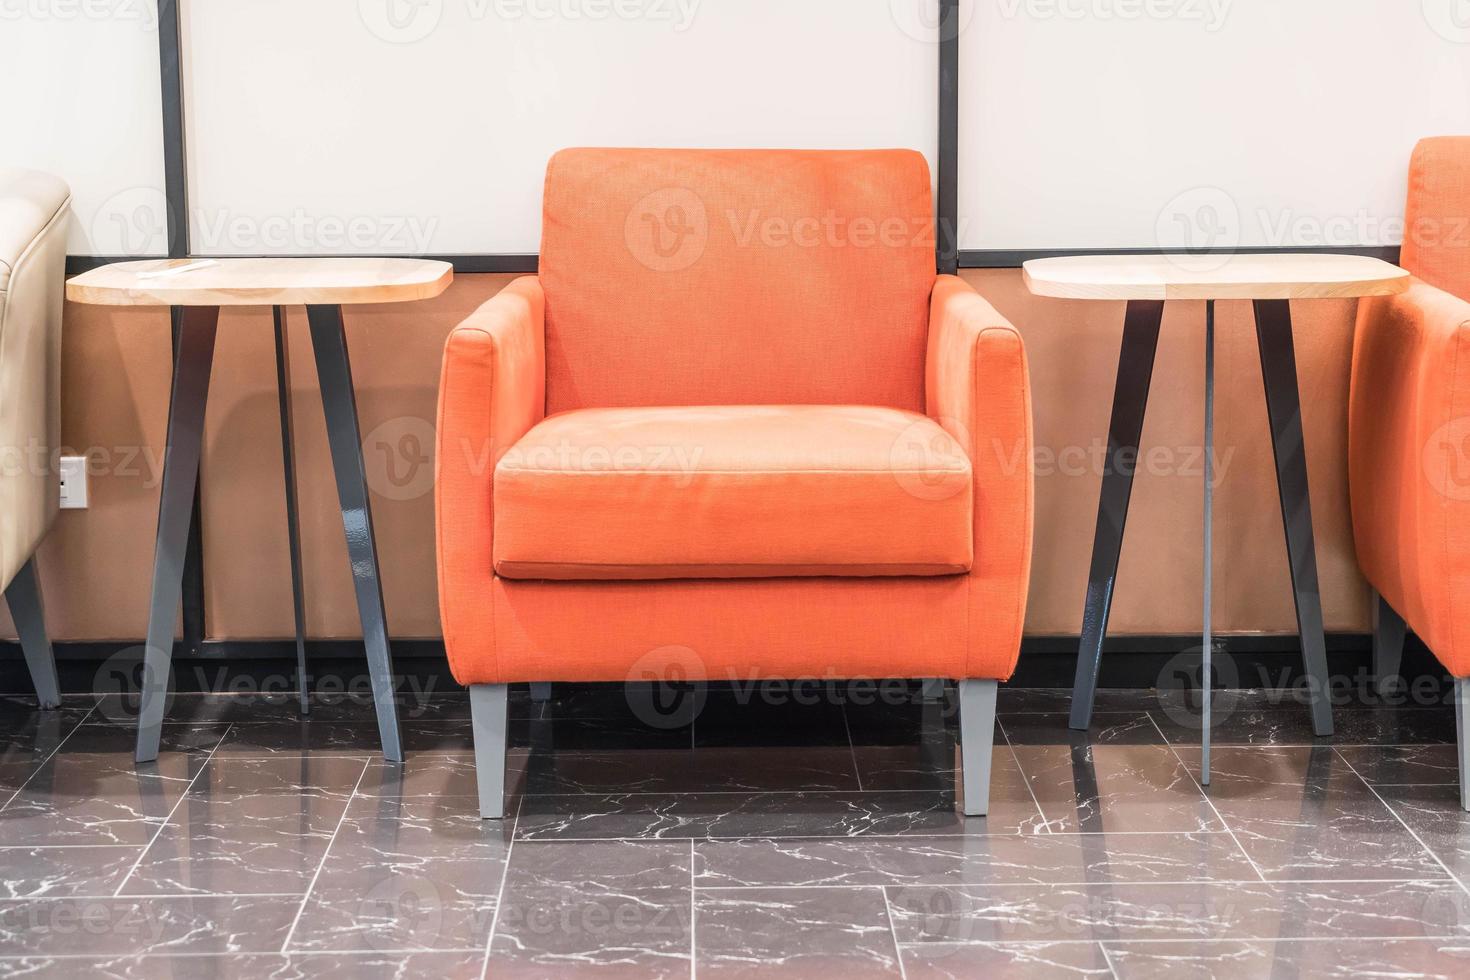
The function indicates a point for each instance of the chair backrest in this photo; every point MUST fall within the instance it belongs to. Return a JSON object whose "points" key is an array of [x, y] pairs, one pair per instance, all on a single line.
{"points": [[33, 217], [707, 277], [1437, 224]]}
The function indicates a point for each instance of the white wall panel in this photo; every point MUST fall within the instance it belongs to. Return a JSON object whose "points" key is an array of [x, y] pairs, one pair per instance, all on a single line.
{"points": [[81, 101], [1147, 123], [425, 125]]}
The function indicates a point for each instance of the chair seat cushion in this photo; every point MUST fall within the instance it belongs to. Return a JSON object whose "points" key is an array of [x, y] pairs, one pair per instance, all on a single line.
{"points": [[750, 491]]}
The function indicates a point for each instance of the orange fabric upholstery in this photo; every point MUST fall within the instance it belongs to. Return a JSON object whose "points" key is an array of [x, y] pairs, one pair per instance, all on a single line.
{"points": [[1409, 462], [1437, 221], [733, 630], [794, 369], [979, 390], [724, 277], [491, 392], [742, 491]]}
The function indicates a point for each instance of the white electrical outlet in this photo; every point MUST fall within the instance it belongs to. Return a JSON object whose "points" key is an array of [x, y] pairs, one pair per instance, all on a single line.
{"points": [[73, 482]]}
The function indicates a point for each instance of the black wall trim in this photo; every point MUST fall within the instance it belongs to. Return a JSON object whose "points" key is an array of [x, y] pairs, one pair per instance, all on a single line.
{"points": [[947, 257], [1013, 258]]}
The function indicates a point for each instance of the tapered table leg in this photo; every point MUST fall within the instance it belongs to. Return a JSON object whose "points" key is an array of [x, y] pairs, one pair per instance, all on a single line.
{"points": [[293, 525], [1130, 399], [193, 359], [334, 372], [1207, 648], [1283, 404]]}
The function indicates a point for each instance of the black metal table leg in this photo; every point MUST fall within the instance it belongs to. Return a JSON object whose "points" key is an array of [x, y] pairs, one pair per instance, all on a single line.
{"points": [[1130, 399], [293, 526], [1283, 404], [193, 359], [334, 372]]}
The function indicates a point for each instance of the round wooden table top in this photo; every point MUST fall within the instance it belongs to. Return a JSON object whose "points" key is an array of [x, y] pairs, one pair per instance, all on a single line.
{"points": [[1278, 275], [260, 282]]}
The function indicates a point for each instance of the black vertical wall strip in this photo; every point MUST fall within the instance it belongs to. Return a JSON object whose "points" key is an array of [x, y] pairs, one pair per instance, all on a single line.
{"points": [[949, 136], [176, 193]]}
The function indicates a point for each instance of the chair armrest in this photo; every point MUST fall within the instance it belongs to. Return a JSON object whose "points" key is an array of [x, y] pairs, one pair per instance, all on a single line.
{"points": [[492, 390], [1409, 461], [979, 390]]}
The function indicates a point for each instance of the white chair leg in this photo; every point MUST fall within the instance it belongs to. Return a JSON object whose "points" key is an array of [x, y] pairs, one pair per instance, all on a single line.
{"points": [[977, 739], [488, 719]]}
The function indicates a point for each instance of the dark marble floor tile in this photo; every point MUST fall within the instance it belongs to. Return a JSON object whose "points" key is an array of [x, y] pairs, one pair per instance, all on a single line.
{"points": [[684, 770], [48, 872], [1108, 728], [425, 774], [698, 815], [416, 704], [230, 844], [1292, 725], [565, 931], [437, 905], [1005, 961], [1302, 813], [1398, 764], [601, 865], [29, 735], [133, 926], [1299, 959], [794, 932], [414, 874], [239, 966], [1115, 788], [96, 797], [345, 738], [1193, 910], [1433, 814], [1035, 859]]}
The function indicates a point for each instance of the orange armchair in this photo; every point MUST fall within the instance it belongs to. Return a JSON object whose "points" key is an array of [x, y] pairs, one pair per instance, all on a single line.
{"points": [[1409, 434], [736, 429]]}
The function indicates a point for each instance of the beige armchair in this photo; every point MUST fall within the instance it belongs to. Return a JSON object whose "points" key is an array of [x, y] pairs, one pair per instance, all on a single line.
{"points": [[33, 212]]}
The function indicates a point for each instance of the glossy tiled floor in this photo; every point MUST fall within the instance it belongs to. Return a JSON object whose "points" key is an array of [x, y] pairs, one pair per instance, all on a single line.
{"points": [[745, 838]]}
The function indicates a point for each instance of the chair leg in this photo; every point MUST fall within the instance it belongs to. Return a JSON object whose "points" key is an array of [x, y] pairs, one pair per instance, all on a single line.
{"points": [[488, 714], [1388, 647], [932, 689], [540, 691], [24, 597], [977, 738], [1462, 738]]}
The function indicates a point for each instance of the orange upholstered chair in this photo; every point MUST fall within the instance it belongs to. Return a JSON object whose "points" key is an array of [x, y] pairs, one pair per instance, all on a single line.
{"points": [[1409, 433], [736, 429]]}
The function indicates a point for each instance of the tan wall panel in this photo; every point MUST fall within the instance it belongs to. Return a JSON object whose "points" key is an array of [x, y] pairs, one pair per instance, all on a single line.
{"points": [[395, 351], [96, 564], [1073, 350]]}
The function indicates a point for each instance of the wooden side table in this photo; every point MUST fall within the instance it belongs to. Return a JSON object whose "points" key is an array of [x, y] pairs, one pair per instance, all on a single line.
{"points": [[1146, 282], [324, 286]]}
